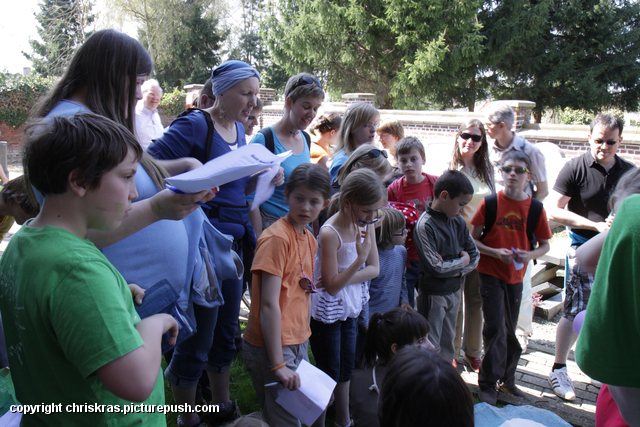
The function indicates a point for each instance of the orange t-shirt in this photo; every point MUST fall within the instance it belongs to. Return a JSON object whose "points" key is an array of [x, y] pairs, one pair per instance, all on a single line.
{"points": [[277, 253], [509, 230]]}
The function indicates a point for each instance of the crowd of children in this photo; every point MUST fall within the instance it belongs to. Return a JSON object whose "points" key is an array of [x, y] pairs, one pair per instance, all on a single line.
{"points": [[345, 287]]}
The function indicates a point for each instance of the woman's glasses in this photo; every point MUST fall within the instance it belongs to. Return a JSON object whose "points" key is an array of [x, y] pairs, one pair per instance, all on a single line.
{"points": [[374, 153], [519, 170], [474, 138], [305, 80]]}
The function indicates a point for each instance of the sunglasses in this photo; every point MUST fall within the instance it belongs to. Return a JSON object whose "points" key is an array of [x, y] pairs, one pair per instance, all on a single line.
{"points": [[363, 223], [305, 80], [519, 170], [609, 141], [307, 284], [374, 153], [474, 138]]}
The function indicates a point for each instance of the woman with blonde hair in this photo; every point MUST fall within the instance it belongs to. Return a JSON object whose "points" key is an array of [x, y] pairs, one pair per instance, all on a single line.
{"points": [[328, 125], [471, 156], [358, 127]]}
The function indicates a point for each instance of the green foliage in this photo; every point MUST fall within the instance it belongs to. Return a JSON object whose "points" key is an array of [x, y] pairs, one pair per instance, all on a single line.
{"points": [[62, 28], [393, 48], [173, 103], [18, 94], [181, 36], [581, 54], [569, 116]]}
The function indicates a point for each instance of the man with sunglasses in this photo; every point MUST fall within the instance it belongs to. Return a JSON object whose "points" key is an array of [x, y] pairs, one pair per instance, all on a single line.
{"points": [[583, 186]]}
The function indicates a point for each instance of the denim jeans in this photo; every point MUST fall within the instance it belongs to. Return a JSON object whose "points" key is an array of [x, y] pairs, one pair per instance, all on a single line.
{"points": [[334, 347], [412, 280], [500, 307]]}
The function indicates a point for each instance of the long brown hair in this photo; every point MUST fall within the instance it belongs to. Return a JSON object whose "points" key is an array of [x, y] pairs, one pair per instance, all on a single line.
{"points": [[102, 67], [480, 158]]}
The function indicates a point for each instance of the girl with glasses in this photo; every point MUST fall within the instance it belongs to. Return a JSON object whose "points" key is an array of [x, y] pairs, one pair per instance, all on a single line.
{"points": [[471, 156], [347, 258]]}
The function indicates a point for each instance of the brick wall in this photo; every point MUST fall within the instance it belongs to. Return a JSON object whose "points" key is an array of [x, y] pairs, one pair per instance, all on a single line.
{"points": [[15, 139]]}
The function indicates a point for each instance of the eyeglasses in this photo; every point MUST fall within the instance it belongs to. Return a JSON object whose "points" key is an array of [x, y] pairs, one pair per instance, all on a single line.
{"points": [[518, 170], [474, 138], [305, 80], [404, 230], [362, 223], [374, 153], [609, 141], [307, 284], [371, 126]]}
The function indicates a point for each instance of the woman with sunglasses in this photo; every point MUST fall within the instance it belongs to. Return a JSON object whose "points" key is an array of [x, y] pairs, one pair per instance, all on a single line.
{"points": [[358, 127], [304, 95], [471, 156]]}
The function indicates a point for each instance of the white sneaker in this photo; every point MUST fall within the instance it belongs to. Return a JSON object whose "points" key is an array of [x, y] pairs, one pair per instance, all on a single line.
{"points": [[561, 384]]}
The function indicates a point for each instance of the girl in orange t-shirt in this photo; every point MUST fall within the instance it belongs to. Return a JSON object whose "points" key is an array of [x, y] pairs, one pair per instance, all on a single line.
{"points": [[276, 338]]}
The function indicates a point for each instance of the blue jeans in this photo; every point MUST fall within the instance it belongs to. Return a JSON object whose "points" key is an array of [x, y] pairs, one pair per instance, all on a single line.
{"points": [[334, 347], [223, 349], [412, 280]]}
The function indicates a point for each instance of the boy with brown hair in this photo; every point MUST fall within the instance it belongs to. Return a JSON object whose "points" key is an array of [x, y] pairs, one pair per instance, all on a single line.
{"points": [[73, 335]]}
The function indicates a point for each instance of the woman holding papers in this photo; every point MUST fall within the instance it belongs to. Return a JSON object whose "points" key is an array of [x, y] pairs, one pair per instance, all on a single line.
{"points": [[205, 135], [304, 96]]}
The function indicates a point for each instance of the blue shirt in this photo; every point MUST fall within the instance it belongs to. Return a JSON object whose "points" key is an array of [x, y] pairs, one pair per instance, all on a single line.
{"points": [[277, 205], [339, 158]]}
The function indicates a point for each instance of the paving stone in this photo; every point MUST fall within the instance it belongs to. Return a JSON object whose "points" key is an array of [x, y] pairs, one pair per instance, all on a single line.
{"points": [[531, 379], [589, 407], [586, 395], [593, 389]]}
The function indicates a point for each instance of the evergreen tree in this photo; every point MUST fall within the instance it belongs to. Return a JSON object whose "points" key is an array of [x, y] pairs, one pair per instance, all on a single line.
{"points": [[62, 27], [581, 54], [404, 52]]}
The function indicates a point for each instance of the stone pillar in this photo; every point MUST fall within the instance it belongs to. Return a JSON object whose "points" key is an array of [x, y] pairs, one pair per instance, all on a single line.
{"points": [[523, 112], [267, 95], [352, 98], [193, 92]]}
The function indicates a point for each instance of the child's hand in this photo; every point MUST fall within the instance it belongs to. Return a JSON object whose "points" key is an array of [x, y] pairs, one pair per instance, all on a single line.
{"points": [[521, 256], [505, 255], [609, 219], [169, 325], [465, 258], [439, 257], [406, 306], [137, 293], [288, 378], [363, 248], [169, 205]]}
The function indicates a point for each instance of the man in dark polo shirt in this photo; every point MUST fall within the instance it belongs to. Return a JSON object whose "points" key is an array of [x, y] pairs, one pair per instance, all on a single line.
{"points": [[583, 186]]}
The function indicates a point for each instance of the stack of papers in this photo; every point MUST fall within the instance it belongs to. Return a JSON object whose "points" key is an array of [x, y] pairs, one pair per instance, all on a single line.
{"points": [[244, 161]]}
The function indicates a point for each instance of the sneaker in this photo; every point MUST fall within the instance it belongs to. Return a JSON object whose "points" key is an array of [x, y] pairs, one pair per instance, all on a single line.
{"points": [[473, 362], [514, 391], [488, 395], [561, 384], [221, 418]]}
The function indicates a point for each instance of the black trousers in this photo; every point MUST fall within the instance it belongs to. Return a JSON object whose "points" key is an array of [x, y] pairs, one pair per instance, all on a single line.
{"points": [[500, 307]]}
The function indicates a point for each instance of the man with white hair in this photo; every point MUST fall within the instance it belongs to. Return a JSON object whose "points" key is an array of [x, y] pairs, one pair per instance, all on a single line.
{"points": [[148, 123]]}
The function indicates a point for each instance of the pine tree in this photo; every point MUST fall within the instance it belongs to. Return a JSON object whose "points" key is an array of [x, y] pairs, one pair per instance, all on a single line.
{"points": [[63, 27]]}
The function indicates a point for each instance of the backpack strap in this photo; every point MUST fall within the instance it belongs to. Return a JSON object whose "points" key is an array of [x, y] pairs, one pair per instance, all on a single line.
{"points": [[490, 213], [535, 210], [270, 143], [210, 127]]}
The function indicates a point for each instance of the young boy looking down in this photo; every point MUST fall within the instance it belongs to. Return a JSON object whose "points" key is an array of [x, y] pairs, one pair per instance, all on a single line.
{"points": [[505, 244], [73, 335], [447, 254]]}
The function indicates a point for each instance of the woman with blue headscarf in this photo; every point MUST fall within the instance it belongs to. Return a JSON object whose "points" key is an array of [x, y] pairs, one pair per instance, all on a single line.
{"points": [[205, 135]]}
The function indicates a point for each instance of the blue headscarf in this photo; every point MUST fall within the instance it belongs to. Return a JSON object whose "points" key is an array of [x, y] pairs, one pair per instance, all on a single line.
{"points": [[229, 73]]}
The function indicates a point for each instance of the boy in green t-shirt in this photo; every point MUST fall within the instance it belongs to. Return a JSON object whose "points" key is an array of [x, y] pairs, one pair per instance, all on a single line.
{"points": [[74, 339]]}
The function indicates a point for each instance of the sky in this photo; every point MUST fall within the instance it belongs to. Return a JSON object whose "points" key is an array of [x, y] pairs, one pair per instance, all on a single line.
{"points": [[19, 24]]}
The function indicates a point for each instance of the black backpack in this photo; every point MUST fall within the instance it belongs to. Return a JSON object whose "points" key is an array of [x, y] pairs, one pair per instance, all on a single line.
{"points": [[270, 144], [491, 211]]}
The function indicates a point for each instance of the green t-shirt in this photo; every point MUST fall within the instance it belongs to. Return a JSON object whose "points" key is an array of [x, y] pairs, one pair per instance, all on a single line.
{"points": [[610, 335], [67, 312]]}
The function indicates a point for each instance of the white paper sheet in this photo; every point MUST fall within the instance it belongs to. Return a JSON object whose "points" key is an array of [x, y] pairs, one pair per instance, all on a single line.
{"points": [[516, 264], [234, 165], [307, 402], [264, 187]]}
